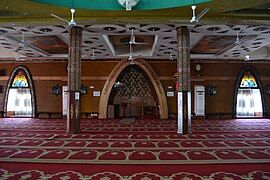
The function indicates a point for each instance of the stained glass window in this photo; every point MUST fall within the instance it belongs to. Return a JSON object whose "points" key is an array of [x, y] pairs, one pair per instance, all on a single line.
{"points": [[248, 80], [20, 80]]}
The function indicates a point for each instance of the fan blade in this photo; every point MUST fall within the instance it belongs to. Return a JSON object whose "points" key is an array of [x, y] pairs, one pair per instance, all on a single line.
{"points": [[125, 43], [133, 43], [241, 39], [199, 16], [60, 18], [138, 43], [18, 48]]}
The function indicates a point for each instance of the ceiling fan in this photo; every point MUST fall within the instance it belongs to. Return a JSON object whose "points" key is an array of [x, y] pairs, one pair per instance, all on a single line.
{"points": [[27, 47], [93, 56], [22, 43], [253, 58], [19, 58], [194, 18], [131, 56], [132, 40], [237, 40], [71, 22], [237, 30]]}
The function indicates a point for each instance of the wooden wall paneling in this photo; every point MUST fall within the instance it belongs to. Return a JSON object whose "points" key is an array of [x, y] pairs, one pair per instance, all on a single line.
{"points": [[95, 73]]}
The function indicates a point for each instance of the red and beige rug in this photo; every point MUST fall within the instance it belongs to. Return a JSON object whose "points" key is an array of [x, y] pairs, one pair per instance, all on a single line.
{"points": [[143, 149]]}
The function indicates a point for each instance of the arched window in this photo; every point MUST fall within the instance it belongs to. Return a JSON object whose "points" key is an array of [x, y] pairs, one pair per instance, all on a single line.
{"points": [[248, 99], [19, 101]]}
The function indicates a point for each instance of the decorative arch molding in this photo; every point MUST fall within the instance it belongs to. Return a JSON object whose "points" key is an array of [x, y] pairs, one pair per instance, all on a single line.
{"points": [[31, 85], [237, 85], [104, 98]]}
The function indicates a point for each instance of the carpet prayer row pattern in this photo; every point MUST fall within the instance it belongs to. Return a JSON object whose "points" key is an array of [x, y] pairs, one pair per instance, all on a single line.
{"points": [[142, 142], [35, 174], [90, 125]]}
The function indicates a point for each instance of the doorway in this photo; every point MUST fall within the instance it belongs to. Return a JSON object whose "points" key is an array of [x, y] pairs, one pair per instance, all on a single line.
{"points": [[249, 102], [19, 102]]}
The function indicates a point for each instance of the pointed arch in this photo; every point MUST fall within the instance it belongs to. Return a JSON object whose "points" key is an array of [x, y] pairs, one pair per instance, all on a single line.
{"points": [[21, 81], [248, 78], [104, 98]]}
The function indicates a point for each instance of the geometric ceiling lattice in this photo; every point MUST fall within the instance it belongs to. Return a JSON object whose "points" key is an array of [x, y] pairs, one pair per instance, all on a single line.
{"points": [[206, 41]]}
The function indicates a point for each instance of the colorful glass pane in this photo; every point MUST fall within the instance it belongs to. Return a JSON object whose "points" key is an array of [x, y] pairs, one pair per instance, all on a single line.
{"points": [[20, 80], [248, 80]]}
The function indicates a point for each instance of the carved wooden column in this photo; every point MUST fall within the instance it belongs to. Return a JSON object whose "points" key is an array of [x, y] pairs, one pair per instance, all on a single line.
{"points": [[74, 80], [183, 78]]}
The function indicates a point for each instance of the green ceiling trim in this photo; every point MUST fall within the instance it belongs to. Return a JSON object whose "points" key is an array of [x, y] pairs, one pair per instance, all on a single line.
{"points": [[113, 4]]}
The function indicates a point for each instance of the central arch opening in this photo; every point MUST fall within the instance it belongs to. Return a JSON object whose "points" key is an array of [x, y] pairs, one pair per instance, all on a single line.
{"points": [[112, 79], [133, 95]]}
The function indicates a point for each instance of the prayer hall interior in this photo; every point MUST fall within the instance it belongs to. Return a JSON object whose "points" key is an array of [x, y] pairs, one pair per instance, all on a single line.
{"points": [[134, 89]]}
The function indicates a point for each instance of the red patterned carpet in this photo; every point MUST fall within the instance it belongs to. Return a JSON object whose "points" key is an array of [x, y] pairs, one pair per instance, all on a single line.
{"points": [[143, 149]]}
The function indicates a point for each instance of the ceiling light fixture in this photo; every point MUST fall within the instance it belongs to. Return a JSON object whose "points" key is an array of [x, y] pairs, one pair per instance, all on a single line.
{"points": [[128, 4]]}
